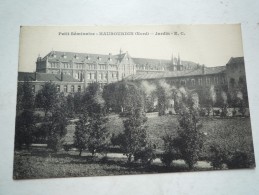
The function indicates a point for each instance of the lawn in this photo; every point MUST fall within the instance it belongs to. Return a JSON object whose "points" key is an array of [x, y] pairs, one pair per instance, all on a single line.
{"points": [[234, 133], [41, 163], [235, 130]]}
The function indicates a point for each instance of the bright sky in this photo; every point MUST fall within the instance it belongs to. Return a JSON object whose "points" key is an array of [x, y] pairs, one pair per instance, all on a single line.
{"points": [[212, 45]]}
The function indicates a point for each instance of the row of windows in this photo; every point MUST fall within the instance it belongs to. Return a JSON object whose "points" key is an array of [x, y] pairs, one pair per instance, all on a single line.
{"points": [[147, 67], [102, 75], [72, 88], [65, 88], [100, 67], [201, 81], [67, 65]]}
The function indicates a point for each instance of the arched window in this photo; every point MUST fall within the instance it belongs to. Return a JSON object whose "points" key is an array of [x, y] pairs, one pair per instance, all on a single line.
{"points": [[72, 88], [65, 88], [183, 82]]}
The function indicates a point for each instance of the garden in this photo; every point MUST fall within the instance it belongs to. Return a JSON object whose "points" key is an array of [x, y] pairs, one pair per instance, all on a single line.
{"points": [[105, 131]]}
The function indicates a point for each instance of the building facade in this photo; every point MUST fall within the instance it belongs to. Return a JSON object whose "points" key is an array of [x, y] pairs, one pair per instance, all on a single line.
{"points": [[72, 72]]}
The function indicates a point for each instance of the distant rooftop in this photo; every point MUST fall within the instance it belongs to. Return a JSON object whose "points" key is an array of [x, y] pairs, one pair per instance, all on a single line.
{"points": [[184, 73], [30, 76]]}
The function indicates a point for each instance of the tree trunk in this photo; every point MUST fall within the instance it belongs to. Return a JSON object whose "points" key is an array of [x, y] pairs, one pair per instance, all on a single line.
{"points": [[129, 158], [80, 152]]}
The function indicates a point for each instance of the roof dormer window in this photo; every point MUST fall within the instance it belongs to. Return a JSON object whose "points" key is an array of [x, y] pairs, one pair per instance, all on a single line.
{"points": [[76, 56], [88, 57], [53, 54], [64, 55], [99, 58]]}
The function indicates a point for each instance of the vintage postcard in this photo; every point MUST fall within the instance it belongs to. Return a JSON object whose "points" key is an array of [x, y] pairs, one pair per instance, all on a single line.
{"points": [[120, 100]]}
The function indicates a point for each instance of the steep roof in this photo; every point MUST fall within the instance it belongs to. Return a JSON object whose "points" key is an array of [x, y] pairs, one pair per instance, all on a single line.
{"points": [[30, 76], [236, 60], [207, 71], [155, 75], [55, 56], [150, 61], [175, 74]]}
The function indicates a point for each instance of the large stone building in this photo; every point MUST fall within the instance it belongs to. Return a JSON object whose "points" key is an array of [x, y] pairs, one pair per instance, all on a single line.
{"points": [[105, 68], [72, 72]]}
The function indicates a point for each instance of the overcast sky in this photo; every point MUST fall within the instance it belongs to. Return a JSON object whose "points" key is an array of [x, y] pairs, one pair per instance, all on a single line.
{"points": [[212, 45]]}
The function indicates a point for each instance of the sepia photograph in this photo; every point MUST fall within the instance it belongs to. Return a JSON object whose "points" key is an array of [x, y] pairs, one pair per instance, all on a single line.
{"points": [[127, 100]]}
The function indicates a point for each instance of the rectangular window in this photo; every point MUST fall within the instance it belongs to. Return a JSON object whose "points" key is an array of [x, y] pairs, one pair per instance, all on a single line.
{"points": [[58, 88], [207, 81], [72, 88], [193, 82], [200, 81], [79, 88]]}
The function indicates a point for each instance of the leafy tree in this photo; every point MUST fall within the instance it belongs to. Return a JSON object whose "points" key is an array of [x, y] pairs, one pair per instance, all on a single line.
{"points": [[24, 128], [243, 88], [91, 131], [162, 100], [99, 136], [47, 97], [135, 135], [56, 128], [123, 96], [92, 100], [77, 102], [70, 105], [81, 136], [207, 100], [19, 105], [189, 140], [25, 120], [92, 134], [28, 96], [25, 96]]}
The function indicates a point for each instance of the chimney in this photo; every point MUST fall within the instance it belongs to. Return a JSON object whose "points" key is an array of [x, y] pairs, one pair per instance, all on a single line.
{"points": [[110, 57], [61, 76]]}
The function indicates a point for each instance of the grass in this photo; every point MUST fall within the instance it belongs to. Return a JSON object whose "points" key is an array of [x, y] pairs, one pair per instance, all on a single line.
{"points": [[40, 163], [236, 130], [234, 133]]}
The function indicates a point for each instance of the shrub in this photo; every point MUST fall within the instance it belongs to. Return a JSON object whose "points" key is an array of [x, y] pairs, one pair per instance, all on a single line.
{"points": [[67, 147], [234, 112], [170, 153], [116, 140], [224, 112], [239, 159], [218, 156], [167, 158], [146, 155], [202, 112]]}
